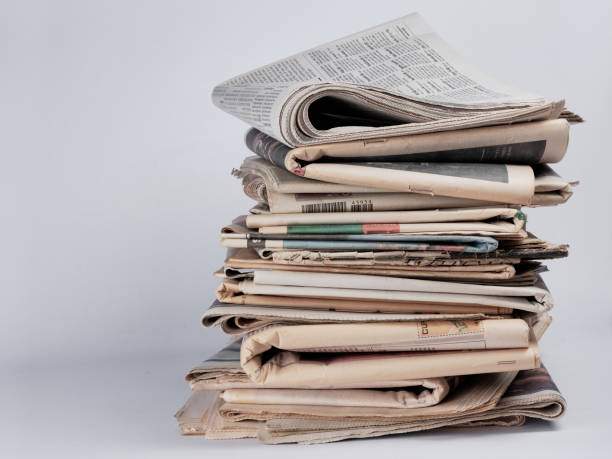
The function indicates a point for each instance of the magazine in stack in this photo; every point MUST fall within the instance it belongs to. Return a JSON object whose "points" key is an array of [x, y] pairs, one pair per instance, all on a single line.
{"points": [[385, 280]]}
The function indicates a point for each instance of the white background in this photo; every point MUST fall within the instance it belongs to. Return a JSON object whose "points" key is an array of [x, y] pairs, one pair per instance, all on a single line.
{"points": [[115, 180]]}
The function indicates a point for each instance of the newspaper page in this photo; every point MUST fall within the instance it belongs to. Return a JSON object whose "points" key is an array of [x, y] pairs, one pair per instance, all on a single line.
{"points": [[398, 241], [492, 400], [532, 394], [200, 416], [229, 293], [238, 319], [241, 263], [222, 371], [405, 258], [284, 192], [246, 291], [499, 274], [499, 182], [381, 287], [523, 143], [401, 259], [330, 356], [283, 203], [482, 216], [206, 414], [402, 67], [418, 393]]}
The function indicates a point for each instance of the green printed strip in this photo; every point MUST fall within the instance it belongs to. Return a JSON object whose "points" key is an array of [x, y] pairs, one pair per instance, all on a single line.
{"points": [[325, 229]]}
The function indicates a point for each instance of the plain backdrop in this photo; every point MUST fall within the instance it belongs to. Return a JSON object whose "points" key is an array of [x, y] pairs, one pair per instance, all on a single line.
{"points": [[115, 179]]}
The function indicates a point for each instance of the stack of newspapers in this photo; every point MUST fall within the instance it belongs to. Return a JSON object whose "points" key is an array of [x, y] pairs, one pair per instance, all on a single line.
{"points": [[385, 280]]}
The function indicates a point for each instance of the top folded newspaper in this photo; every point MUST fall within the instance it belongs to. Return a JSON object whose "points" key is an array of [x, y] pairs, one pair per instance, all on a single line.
{"points": [[385, 280]]}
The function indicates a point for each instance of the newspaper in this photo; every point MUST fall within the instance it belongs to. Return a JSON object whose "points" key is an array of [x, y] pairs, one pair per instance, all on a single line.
{"points": [[525, 275], [240, 319], [288, 368], [240, 261], [494, 400], [483, 178], [204, 410], [200, 416], [531, 394], [500, 183], [223, 370], [474, 394], [283, 192], [240, 265], [524, 143], [287, 284], [249, 292], [362, 355], [406, 258], [498, 222], [398, 241], [417, 393], [320, 370], [229, 293], [398, 78], [484, 221], [392, 283]]}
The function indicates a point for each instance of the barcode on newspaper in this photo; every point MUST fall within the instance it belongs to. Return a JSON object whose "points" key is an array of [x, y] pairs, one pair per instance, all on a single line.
{"points": [[362, 207], [338, 206]]}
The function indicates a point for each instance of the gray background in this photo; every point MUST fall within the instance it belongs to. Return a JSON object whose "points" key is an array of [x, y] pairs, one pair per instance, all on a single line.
{"points": [[115, 179]]}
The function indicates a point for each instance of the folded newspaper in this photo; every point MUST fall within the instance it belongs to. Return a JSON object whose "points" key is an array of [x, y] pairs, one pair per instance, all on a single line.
{"points": [[417, 393], [490, 400], [483, 221], [282, 192], [377, 355], [412, 258], [240, 264], [288, 284], [225, 370], [475, 177], [532, 394], [433, 243], [240, 319], [396, 79]]}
